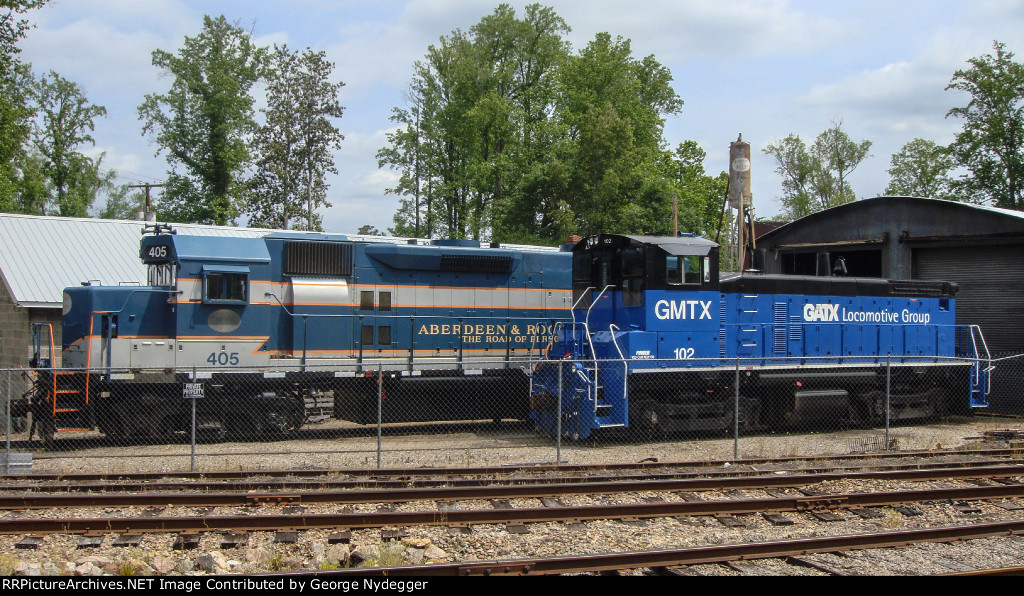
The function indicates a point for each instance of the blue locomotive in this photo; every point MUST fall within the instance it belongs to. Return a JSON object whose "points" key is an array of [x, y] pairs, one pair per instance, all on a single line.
{"points": [[270, 325], [659, 342]]}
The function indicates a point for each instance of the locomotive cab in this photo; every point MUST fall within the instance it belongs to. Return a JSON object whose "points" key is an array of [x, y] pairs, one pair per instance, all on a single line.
{"points": [[630, 281]]}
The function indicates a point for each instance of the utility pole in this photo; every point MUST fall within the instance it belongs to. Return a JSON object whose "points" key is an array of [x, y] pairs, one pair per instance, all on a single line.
{"points": [[147, 186]]}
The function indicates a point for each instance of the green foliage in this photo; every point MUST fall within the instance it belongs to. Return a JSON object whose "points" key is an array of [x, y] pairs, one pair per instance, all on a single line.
{"points": [[12, 28], [65, 123], [508, 135], [921, 169], [122, 202], [294, 149], [16, 113], [816, 177], [203, 122], [990, 145]]}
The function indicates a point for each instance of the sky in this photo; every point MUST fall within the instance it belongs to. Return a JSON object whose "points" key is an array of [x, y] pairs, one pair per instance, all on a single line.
{"points": [[761, 68]]}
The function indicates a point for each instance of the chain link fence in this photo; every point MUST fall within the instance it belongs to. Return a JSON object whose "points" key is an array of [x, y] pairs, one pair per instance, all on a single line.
{"points": [[493, 413]]}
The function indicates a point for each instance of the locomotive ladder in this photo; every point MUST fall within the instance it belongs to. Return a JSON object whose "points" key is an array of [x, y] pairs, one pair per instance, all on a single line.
{"points": [[602, 409], [67, 392]]}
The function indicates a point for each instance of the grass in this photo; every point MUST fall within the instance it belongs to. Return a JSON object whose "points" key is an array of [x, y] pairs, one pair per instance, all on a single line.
{"points": [[8, 564], [128, 569], [389, 555], [278, 562], [892, 519]]}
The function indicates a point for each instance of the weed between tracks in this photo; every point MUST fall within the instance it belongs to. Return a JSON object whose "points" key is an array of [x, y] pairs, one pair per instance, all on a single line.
{"points": [[389, 555], [892, 519], [8, 564]]}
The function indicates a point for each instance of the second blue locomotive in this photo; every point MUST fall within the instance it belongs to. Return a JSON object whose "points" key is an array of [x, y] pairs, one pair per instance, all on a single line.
{"points": [[657, 341]]}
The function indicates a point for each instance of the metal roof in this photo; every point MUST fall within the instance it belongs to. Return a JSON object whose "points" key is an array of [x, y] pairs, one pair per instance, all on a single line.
{"points": [[41, 255], [969, 212]]}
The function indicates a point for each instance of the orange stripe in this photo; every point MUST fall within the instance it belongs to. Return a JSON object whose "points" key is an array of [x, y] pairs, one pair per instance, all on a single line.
{"points": [[392, 286]]}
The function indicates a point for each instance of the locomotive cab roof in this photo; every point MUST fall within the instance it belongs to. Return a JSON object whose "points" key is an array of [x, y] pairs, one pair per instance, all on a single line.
{"points": [[674, 245]]}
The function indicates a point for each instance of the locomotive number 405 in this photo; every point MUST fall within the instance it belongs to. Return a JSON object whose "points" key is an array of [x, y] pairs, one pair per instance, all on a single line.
{"points": [[223, 359]]}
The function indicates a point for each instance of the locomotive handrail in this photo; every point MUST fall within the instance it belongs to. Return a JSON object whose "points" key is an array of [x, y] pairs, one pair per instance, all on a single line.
{"points": [[594, 303], [613, 329], [977, 360], [572, 310]]}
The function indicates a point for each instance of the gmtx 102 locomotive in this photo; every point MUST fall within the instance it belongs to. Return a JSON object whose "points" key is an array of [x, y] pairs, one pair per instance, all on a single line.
{"points": [[443, 329], [658, 342]]}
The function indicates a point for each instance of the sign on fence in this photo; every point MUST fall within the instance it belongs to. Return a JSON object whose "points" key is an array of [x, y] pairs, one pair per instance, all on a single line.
{"points": [[192, 390]]}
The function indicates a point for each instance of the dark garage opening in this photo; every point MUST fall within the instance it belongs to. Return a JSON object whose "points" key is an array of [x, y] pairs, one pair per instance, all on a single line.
{"points": [[859, 263]]}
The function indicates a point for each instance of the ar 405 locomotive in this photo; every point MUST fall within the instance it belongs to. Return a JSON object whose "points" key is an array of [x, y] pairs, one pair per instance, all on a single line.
{"points": [[658, 342], [269, 325]]}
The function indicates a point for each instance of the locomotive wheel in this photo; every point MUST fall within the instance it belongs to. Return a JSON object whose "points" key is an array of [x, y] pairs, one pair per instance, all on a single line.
{"points": [[649, 421], [276, 423], [284, 418], [47, 429]]}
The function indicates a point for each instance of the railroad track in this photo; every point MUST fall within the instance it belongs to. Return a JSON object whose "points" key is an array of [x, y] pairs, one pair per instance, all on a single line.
{"points": [[455, 478], [684, 503], [397, 492], [674, 561]]}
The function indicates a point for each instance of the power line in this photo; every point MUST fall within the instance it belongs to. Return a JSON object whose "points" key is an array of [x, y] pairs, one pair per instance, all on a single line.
{"points": [[134, 175], [147, 187]]}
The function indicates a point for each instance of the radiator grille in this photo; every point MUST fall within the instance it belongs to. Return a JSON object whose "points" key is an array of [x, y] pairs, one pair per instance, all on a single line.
{"points": [[475, 264], [318, 258]]}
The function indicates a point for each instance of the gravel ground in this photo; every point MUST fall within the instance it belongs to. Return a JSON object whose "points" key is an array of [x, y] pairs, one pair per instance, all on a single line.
{"points": [[472, 445], [469, 445]]}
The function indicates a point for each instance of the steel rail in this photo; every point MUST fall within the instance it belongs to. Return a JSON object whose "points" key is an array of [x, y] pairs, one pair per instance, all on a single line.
{"points": [[986, 572], [664, 559], [986, 468], [400, 493], [496, 470], [254, 523]]}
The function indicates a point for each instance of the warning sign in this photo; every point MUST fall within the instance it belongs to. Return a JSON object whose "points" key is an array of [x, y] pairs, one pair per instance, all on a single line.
{"points": [[192, 390]]}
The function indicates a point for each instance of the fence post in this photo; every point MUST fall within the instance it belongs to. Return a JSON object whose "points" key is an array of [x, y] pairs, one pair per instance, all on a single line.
{"points": [[558, 420], [7, 462], [380, 409], [736, 416], [192, 460], [888, 398]]}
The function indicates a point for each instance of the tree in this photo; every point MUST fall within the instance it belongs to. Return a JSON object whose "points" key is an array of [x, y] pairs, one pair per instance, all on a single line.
{"points": [[612, 107], [699, 196], [506, 134], [204, 121], [921, 169], [477, 125], [294, 149], [12, 29], [65, 123], [817, 178], [369, 230], [990, 145], [16, 109], [16, 113], [123, 202]]}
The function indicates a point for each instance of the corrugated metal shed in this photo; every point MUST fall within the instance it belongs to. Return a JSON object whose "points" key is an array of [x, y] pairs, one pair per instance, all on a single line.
{"points": [[40, 256]]}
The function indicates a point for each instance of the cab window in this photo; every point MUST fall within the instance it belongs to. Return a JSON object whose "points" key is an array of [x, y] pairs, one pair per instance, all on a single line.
{"points": [[632, 267], [686, 270], [226, 284]]}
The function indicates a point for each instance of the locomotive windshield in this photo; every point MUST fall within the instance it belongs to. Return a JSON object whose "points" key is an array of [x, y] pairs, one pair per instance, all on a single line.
{"points": [[160, 274], [634, 264]]}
